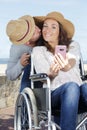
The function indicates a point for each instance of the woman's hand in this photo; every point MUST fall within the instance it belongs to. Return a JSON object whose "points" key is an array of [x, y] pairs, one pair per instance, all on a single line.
{"points": [[64, 64], [54, 69], [24, 59], [61, 61]]}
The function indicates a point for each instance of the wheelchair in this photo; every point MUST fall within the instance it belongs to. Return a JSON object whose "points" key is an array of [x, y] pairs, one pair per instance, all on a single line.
{"points": [[33, 106]]}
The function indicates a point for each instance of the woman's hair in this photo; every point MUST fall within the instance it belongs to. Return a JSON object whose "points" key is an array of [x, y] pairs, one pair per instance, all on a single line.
{"points": [[63, 39]]}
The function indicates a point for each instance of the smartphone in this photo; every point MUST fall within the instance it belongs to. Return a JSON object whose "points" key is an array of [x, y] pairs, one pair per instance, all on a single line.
{"points": [[61, 49]]}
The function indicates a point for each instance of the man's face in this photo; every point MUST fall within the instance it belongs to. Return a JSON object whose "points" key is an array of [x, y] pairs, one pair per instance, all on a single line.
{"points": [[36, 34], [35, 37]]}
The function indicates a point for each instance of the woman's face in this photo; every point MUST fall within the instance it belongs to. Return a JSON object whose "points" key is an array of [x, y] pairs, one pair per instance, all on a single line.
{"points": [[50, 31]]}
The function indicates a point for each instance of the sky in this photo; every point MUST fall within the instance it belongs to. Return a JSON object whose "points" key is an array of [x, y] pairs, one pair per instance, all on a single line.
{"points": [[73, 10]]}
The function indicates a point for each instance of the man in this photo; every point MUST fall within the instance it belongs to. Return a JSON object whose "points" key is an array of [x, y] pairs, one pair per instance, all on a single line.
{"points": [[23, 33]]}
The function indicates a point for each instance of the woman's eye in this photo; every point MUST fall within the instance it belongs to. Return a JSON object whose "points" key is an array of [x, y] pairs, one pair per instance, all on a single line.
{"points": [[54, 27]]}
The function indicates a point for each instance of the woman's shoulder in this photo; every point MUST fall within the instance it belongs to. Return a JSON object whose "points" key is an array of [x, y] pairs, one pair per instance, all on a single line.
{"points": [[74, 44], [39, 48]]}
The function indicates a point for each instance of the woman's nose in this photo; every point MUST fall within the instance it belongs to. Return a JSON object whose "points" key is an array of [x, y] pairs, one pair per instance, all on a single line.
{"points": [[48, 30]]}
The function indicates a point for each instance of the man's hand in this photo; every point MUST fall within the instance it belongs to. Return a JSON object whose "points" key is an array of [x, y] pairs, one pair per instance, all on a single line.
{"points": [[25, 59]]}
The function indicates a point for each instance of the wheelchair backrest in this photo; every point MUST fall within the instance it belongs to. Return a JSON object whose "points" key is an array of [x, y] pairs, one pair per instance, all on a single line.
{"points": [[81, 66]]}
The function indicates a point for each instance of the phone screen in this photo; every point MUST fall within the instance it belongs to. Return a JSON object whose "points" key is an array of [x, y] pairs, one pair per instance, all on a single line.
{"points": [[61, 49]]}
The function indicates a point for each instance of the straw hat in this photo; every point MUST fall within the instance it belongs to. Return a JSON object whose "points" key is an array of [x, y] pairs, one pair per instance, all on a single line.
{"points": [[21, 31], [67, 25]]}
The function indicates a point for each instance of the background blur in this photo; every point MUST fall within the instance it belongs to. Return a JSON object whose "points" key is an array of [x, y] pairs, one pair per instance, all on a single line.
{"points": [[74, 10]]}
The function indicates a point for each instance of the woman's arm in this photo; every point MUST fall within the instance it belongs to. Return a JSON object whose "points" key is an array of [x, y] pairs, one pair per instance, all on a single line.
{"points": [[43, 62], [72, 57], [65, 64]]}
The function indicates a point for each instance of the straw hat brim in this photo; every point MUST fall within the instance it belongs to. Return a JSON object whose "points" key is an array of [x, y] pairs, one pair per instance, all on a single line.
{"points": [[31, 30], [67, 25]]}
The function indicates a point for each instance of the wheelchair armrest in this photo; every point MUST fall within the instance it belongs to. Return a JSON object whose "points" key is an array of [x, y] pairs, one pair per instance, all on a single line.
{"points": [[84, 77], [38, 77]]}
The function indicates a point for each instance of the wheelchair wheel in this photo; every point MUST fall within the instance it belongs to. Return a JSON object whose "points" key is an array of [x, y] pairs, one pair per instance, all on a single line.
{"points": [[32, 99], [24, 118]]}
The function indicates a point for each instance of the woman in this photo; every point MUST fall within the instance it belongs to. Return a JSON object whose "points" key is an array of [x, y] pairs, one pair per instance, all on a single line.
{"points": [[68, 92]]}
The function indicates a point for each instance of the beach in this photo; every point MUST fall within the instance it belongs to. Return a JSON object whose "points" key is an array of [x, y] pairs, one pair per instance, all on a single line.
{"points": [[8, 89]]}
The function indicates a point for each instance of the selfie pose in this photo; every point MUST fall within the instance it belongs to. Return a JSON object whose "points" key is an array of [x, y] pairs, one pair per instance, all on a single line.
{"points": [[61, 63]]}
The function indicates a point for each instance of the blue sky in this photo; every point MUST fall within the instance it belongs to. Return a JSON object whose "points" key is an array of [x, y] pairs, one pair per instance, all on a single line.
{"points": [[74, 10]]}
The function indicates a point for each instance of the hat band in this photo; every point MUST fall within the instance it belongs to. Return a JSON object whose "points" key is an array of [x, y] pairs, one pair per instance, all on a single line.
{"points": [[25, 33]]}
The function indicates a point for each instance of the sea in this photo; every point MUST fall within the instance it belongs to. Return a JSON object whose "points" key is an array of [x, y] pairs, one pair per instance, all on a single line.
{"points": [[3, 60]]}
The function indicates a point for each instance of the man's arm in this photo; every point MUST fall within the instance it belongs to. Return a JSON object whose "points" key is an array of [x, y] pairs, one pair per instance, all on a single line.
{"points": [[17, 61], [14, 69]]}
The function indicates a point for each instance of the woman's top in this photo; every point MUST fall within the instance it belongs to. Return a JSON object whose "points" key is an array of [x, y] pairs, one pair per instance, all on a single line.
{"points": [[14, 67], [42, 59]]}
